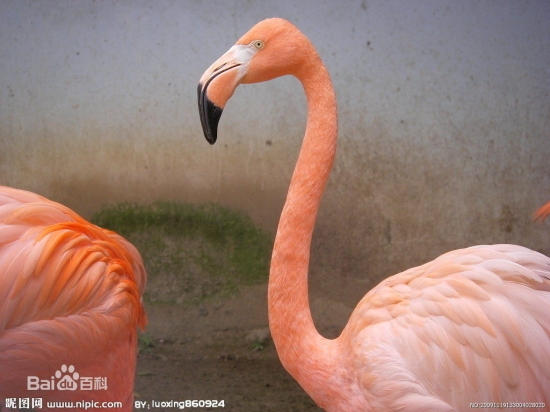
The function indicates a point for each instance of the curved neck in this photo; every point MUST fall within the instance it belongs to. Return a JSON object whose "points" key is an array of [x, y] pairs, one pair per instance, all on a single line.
{"points": [[303, 352]]}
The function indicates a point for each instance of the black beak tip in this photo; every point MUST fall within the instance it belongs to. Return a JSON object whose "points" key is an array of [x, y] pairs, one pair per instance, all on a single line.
{"points": [[211, 136], [210, 115]]}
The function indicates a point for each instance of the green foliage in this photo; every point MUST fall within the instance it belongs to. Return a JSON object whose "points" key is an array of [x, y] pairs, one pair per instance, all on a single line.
{"points": [[145, 341], [258, 346], [192, 252]]}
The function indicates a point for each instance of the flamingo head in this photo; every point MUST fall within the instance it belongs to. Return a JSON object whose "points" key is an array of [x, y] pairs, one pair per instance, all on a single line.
{"points": [[270, 49]]}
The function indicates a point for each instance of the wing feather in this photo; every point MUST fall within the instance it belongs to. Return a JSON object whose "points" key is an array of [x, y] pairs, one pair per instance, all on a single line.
{"points": [[542, 213], [471, 326], [53, 263], [70, 292]]}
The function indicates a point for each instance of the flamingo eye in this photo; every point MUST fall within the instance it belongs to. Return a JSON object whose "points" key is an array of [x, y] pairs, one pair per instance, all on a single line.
{"points": [[258, 44]]}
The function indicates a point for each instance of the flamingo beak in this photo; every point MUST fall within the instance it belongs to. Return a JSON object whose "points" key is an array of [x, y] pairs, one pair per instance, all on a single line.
{"points": [[210, 115], [217, 85]]}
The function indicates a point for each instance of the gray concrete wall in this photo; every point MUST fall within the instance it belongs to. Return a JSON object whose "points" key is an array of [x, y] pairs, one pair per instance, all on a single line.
{"points": [[444, 119]]}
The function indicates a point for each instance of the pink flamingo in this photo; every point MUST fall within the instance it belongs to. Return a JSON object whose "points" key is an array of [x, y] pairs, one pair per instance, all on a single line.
{"points": [[70, 305], [542, 213], [470, 327]]}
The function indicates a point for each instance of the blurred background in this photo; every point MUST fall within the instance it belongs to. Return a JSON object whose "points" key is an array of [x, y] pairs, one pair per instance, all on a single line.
{"points": [[444, 117]]}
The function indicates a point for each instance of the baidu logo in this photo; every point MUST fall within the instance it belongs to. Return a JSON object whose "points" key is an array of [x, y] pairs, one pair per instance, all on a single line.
{"points": [[66, 379]]}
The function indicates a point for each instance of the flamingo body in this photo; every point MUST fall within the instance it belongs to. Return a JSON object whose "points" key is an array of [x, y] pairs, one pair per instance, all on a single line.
{"points": [[472, 326], [70, 294]]}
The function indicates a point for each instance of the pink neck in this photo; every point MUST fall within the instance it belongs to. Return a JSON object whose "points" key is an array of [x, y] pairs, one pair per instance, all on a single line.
{"points": [[305, 354]]}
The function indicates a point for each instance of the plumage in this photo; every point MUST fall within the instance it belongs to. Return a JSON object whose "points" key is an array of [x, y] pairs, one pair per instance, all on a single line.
{"points": [[471, 326], [542, 213], [70, 294], [495, 336]]}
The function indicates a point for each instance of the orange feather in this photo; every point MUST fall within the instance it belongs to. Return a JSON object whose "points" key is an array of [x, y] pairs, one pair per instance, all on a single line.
{"points": [[70, 294], [542, 213]]}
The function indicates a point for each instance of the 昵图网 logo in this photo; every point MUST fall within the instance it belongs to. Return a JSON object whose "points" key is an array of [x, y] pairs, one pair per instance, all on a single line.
{"points": [[66, 379]]}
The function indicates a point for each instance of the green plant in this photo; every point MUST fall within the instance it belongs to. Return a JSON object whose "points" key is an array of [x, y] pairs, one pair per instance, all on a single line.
{"points": [[145, 341], [192, 252]]}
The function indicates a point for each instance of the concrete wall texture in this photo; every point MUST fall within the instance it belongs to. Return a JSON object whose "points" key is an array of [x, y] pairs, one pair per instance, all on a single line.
{"points": [[444, 119]]}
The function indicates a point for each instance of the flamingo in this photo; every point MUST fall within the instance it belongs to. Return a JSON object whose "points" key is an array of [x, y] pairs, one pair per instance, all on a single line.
{"points": [[542, 213], [70, 305], [468, 329]]}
